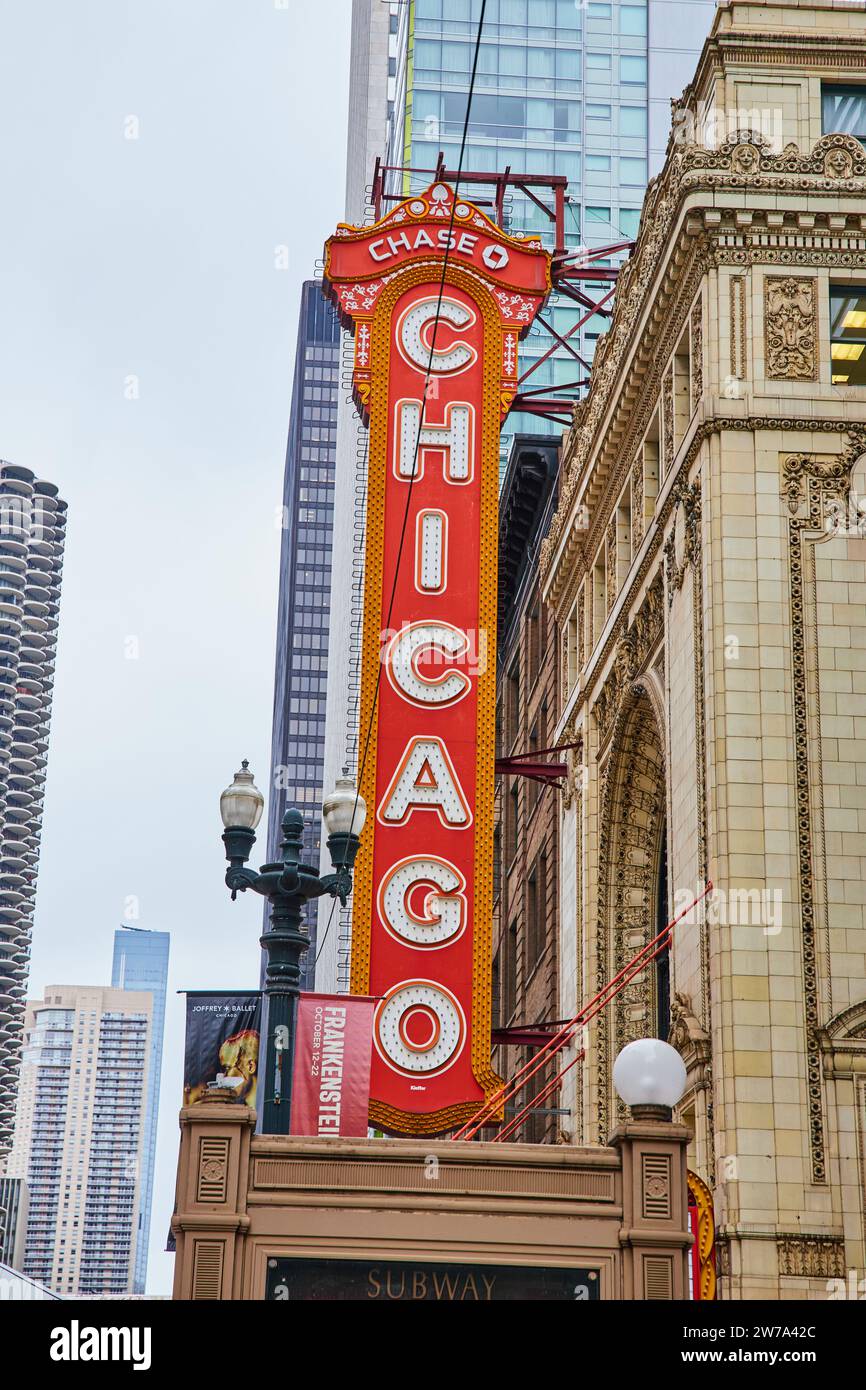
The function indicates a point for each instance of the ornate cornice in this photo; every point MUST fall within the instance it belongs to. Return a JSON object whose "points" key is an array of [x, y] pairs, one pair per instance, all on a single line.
{"points": [[835, 166], [811, 1256]]}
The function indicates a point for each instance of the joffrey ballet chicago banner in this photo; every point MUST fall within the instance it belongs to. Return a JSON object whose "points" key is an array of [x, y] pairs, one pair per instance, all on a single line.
{"points": [[331, 1071], [222, 1041], [422, 915]]}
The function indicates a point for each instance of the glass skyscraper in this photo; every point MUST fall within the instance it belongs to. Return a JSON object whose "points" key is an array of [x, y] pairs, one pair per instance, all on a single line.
{"points": [[300, 682], [141, 963], [567, 87]]}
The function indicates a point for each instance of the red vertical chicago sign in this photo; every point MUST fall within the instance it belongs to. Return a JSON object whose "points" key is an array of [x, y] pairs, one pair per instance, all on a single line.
{"points": [[421, 931]]}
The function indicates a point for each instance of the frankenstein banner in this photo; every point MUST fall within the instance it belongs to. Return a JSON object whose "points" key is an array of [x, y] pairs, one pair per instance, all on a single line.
{"points": [[222, 1045], [331, 1076]]}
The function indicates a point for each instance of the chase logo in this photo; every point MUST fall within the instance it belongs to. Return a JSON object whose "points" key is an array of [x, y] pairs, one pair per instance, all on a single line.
{"points": [[77, 1343]]}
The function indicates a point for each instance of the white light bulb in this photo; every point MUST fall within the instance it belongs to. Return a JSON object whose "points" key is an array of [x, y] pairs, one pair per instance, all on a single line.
{"points": [[649, 1072]]}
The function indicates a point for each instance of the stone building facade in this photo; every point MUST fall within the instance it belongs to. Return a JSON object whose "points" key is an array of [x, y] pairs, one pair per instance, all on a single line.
{"points": [[526, 901], [705, 569]]}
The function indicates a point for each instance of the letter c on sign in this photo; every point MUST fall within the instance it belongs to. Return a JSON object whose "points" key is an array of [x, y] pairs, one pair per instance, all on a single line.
{"points": [[414, 339], [401, 664]]}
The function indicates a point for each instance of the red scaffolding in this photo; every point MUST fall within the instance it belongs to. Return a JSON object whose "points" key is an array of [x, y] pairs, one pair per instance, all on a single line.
{"points": [[571, 269]]}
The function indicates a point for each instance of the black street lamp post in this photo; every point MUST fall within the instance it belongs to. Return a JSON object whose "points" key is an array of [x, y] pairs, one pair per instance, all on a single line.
{"points": [[288, 885]]}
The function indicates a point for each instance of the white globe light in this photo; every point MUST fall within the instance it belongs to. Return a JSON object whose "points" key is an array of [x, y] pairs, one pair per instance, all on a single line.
{"points": [[241, 804], [344, 811], [649, 1072]]}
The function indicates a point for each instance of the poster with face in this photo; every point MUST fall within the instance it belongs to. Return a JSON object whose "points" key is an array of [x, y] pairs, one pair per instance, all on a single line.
{"points": [[222, 1045]]}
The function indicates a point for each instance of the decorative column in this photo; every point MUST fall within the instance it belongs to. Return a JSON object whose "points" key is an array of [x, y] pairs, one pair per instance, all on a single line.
{"points": [[210, 1216]]}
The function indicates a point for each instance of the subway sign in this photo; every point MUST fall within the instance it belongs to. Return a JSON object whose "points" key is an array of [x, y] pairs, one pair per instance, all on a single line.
{"points": [[386, 1281], [435, 373]]}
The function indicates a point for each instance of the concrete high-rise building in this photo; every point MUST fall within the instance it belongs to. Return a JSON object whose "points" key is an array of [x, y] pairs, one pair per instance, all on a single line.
{"points": [[13, 1221], [32, 528], [141, 963], [301, 676], [79, 1136], [371, 91]]}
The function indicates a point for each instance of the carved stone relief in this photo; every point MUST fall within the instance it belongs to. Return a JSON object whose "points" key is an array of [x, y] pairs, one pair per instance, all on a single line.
{"points": [[791, 327]]}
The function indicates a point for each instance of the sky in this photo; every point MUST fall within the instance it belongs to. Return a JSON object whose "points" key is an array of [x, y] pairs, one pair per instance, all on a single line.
{"points": [[170, 170]]}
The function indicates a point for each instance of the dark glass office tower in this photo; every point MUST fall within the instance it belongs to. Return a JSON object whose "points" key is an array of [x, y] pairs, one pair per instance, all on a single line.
{"points": [[300, 683], [141, 963]]}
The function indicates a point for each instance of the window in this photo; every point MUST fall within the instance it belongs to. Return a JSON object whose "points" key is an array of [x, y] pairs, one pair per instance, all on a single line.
{"points": [[533, 646], [632, 121], [629, 221], [513, 823], [632, 70], [566, 120], [491, 115], [573, 653], [623, 537], [599, 597], [567, 65], [632, 19], [531, 789], [533, 949], [540, 64], [848, 334], [597, 163], [510, 973], [632, 172], [598, 61], [596, 214], [513, 714], [682, 388], [844, 111], [596, 10]]}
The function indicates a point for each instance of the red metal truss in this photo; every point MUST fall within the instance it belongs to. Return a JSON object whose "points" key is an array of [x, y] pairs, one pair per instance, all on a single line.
{"points": [[527, 765], [571, 268], [507, 1092]]}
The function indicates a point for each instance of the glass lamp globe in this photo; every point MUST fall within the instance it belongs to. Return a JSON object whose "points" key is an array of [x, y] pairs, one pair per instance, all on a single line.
{"points": [[649, 1072], [344, 811], [242, 803]]}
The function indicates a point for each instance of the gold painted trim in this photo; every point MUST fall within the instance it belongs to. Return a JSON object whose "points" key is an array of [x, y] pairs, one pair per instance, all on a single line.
{"points": [[706, 1236]]}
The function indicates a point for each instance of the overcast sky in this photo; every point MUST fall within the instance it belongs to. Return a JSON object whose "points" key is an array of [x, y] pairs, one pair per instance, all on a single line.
{"points": [[146, 350]]}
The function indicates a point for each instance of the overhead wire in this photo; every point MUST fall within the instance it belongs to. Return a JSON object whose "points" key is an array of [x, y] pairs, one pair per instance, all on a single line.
{"points": [[406, 511]]}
